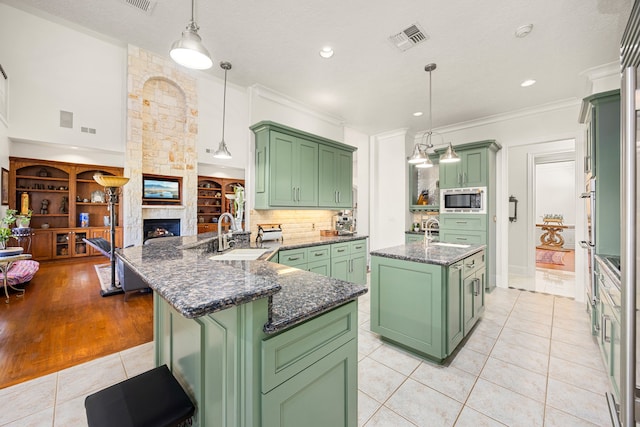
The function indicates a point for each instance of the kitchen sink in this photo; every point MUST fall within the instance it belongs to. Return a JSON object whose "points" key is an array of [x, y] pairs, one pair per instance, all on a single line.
{"points": [[245, 254], [451, 245]]}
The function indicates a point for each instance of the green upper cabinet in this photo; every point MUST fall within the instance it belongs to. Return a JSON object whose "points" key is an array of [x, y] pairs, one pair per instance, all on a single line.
{"points": [[336, 167], [470, 171], [300, 170], [294, 171], [601, 114]]}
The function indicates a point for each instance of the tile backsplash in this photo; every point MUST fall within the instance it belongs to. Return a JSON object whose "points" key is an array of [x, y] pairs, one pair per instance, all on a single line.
{"points": [[295, 223]]}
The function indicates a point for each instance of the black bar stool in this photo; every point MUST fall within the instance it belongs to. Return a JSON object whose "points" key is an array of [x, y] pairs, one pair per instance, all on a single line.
{"points": [[151, 399]]}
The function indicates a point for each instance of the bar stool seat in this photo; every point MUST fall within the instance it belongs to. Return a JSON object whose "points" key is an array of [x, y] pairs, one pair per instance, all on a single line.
{"points": [[151, 399]]}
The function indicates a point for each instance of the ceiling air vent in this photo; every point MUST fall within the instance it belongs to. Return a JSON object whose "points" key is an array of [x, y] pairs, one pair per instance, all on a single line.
{"points": [[409, 37], [144, 5]]}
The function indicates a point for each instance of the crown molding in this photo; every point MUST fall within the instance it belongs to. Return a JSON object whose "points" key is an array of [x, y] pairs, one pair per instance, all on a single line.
{"points": [[285, 100]]}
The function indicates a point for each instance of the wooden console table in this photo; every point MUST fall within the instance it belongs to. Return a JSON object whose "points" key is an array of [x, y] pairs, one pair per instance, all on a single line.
{"points": [[551, 239]]}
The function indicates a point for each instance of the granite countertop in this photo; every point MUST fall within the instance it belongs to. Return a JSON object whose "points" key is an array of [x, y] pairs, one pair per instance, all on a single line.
{"points": [[434, 254], [184, 272]]}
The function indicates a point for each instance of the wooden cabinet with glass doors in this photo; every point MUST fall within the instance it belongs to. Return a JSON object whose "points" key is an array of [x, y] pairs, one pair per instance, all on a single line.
{"points": [[58, 194]]}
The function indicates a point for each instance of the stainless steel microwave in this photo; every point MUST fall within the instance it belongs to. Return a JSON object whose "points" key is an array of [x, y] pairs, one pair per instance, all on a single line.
{"points": [[463, 200]]}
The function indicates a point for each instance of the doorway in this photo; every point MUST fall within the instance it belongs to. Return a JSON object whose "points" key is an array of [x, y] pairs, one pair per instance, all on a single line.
{"points": [[541, 246]]}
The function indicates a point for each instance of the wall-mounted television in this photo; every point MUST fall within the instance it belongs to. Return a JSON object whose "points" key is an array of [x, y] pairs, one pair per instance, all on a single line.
{"points": [[159, 189]]}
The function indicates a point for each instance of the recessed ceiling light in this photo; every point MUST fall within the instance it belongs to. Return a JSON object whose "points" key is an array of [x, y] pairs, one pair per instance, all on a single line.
{"points": [[528, 83], [417, 113], [326, 52], [523, 30]]}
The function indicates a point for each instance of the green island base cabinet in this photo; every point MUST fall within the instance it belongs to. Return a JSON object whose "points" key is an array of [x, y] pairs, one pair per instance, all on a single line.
{"points": [[241, 377], [427, 308]]}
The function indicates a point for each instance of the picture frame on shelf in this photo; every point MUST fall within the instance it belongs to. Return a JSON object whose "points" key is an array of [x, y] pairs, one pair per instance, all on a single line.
{"points": [[4, 185]]}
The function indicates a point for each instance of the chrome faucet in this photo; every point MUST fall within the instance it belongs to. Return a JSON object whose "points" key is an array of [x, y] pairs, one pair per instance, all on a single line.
{"points": [[427, 230], [224, 239]]}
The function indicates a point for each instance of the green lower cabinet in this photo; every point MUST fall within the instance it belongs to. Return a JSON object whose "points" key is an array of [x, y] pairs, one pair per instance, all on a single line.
{"points": [[236, 375], [320, 267], [426, 308], [455, 318], [319, 396], [410, 238], [349, 261]]}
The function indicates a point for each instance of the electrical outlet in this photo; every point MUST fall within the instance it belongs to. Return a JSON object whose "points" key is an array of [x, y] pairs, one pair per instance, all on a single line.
{"points": [[313, 226]]}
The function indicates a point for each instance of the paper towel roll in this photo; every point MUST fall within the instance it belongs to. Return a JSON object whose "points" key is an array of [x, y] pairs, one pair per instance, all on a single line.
{"points": [[271, 235]]}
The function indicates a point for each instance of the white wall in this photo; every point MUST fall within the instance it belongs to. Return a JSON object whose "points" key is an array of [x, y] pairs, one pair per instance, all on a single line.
{"points": [[388, 182], [556, 194], [51, 68]]}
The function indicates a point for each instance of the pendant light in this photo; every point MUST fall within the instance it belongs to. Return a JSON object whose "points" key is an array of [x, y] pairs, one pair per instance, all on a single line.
{"points": [[449, 156], [420, 157], [223, 152], [189, 51]]}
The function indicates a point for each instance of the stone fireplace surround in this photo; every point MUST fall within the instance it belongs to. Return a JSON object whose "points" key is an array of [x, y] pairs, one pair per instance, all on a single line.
{"points": [[162, 130]]}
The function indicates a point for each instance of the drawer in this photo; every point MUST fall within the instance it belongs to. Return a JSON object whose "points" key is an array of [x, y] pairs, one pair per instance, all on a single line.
{"points": [[295, 349], [319, 253], [358, 247], [468, 237], [293, 257], [340, 249], [474, 263], [463, 222]]}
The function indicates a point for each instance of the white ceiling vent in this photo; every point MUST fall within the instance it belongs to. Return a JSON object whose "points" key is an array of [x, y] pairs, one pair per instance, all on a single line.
{"points": [[144, 5], [409, 37]]}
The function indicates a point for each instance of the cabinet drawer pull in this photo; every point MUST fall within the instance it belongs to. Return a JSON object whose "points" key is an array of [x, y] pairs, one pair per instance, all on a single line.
{"points": [[461, 238], [318, 254], [293, 258], [340, 250], [471, 264], [358, 247], [461, 222]]}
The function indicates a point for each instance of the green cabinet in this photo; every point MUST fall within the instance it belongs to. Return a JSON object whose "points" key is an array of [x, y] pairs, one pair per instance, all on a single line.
{"points": [[426, 308], [470, 171], [473, 286], [345, 261], [463, 228], [238, 376], [336, 180], [293, 171], [411, 238], [315, 258], [296, 169], [349, 261], [601, 114], [310, 374], [608, 333], [455, 315]]}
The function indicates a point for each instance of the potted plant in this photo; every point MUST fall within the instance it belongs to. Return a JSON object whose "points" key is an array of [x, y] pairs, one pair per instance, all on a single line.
{"points": [[23, 220], [5, 227]]}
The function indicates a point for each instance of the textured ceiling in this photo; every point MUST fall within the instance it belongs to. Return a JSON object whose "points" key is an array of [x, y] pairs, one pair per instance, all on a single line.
{"points": [[369, 83]]}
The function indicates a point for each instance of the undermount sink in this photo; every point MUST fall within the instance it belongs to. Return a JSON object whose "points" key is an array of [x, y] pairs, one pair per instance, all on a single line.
{"points": [[451, 245], [245, 254]]}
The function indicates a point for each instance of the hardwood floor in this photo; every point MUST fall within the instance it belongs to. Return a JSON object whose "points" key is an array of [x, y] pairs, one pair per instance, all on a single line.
{"points": [[62, 321]]}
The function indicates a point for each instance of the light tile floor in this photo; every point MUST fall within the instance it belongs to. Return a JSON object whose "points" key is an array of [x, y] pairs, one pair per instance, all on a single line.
{"points": [[530, 361]]}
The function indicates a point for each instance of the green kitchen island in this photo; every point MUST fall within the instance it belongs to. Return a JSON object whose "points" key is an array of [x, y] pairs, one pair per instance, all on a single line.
{"points": [[427, 299], [254, 343]]}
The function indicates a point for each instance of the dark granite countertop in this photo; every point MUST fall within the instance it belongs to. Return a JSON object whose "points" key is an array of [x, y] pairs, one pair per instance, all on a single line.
{"points": [[434, 254], [184, 272]]}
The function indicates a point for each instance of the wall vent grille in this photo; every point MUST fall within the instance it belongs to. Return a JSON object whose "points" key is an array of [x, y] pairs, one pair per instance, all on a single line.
{"points": [[409, 37], [144, 5]]}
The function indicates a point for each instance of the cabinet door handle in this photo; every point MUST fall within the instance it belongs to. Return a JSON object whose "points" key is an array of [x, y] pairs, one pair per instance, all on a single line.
{"points": [[476, 287], [464, 177], [605, 338], [293, 196], [339, 197], [299, 194]]}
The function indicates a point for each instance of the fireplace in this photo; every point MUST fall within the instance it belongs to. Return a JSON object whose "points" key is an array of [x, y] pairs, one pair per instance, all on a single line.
{"points": [[154, 228]]}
